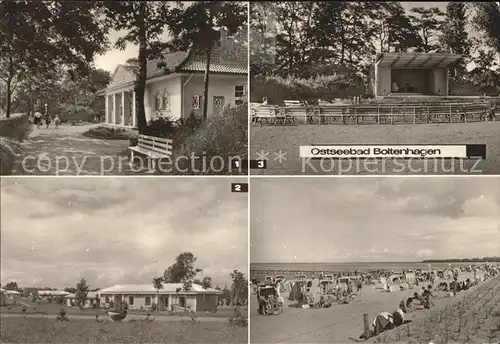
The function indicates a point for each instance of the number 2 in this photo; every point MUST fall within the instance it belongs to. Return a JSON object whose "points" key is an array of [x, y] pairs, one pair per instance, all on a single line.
{"points": [[237, 187]]}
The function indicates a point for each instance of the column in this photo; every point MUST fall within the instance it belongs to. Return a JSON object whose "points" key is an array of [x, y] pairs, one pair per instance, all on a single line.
{"points": [[106, 108], [447, 76], [134, 114], [147, 109], [114, 108], [123, 109]]}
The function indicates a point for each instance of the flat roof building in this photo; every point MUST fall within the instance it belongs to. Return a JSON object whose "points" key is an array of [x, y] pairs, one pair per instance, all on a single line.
{"points": [[411, 74]]}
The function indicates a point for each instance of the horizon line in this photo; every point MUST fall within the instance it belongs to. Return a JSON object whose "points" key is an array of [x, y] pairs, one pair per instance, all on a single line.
{"points": [[446, 260]]}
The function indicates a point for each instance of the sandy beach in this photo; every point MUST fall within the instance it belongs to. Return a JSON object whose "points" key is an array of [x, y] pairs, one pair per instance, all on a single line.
{"points": [[338, 324]]}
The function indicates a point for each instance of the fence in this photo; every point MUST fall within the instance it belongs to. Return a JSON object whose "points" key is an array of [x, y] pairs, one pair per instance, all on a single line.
{"points": [[402, 113]]}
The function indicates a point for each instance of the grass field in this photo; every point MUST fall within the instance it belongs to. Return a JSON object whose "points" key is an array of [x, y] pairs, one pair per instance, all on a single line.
{"points": [[288, 139], [31, 330], [54, 308], [471, 317]]}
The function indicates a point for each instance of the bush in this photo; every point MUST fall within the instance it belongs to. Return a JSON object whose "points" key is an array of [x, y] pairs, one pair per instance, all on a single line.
{"points": [[325, 87], [17, 127], [71, 112], [108, 133], [223, 135]]}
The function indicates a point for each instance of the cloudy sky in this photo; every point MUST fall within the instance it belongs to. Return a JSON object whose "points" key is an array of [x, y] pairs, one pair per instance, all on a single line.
{"points": [[373, 219], [118, 230], [114, 57]]}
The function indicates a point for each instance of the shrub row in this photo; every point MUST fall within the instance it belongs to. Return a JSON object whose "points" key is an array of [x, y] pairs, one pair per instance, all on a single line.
{"points": [[325, 87]]}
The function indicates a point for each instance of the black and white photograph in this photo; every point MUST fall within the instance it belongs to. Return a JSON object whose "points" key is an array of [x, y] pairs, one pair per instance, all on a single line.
{"points": [[123, 87], [377, 260], [350, 88], [123, 260]]}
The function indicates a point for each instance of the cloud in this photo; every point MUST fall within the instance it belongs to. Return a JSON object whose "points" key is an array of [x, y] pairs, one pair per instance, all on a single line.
{"points": [[374, 219], [118, 230]]}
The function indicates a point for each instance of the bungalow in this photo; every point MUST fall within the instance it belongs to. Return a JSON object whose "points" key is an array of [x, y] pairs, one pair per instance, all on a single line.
{"points": [[176, 89], [172, 296], [92, 300], [12, 294]]}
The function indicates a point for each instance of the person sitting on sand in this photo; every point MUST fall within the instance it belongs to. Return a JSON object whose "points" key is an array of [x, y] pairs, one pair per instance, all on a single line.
{"points": [[382, 322], [399, 315]]}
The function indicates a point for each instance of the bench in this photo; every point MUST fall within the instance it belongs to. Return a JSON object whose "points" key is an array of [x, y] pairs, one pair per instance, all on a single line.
{"points": [[153, 147], [293, 103]]}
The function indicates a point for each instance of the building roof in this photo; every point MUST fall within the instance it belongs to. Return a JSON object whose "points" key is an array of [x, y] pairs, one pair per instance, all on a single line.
{"points": [[11, 292], [168, 288], [90, 295], [416, 60], [52, 292]]}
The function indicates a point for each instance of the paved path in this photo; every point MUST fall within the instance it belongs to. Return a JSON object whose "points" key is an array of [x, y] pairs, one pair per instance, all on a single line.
{"points": [[65, 151], [128, 318]]}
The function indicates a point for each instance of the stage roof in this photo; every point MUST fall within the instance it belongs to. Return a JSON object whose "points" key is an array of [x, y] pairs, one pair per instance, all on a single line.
{"points": [[416, 60]]}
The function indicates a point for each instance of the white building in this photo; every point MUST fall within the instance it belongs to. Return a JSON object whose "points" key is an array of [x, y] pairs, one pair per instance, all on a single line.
{"points": [[172, 296], [176, 90]]}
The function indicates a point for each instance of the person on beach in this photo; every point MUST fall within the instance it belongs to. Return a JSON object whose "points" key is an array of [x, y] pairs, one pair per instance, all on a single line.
{"points": [[399, 316], [359, 286]]}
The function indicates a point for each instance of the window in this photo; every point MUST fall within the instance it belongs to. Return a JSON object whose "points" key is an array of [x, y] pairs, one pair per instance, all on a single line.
{"points": [[239, 92], [196, 102], [130, 300], [166, 100], [106, 299], [147, 302], [157, 101]]}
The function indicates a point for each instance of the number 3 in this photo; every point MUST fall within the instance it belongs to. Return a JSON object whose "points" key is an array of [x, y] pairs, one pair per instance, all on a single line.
{"points": [[261, 164]]}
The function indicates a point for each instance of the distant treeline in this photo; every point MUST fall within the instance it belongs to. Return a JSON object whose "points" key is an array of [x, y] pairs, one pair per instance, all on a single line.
{"points": [[464, 260]]}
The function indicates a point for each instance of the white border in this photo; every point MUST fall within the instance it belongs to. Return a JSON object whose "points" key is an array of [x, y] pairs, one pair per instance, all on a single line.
{"points": [[249, 293]]}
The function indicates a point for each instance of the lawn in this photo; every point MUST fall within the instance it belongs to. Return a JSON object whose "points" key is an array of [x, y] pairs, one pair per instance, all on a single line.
{"points": [[287, 139], [45, 308], [39, 330]]}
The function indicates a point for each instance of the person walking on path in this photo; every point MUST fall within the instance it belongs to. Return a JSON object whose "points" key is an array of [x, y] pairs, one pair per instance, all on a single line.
{"points": [[47, 120], [38, 119], [57, 121]]}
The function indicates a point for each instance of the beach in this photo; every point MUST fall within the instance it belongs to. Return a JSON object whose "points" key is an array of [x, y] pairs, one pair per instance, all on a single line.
{"points": [[339, 323]]}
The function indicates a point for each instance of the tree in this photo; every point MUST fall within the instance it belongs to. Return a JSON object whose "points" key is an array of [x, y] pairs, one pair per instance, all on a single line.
{"points": [[82, 290], [262, 37], [206, 283], [158, 284], [226, 294], [11, 286], [428, 23], [198, 27], [182, 270], [70, 290], [37, 36], [239, 288], [143, 23], [454, 35], [487, 21], [401, 34]]}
